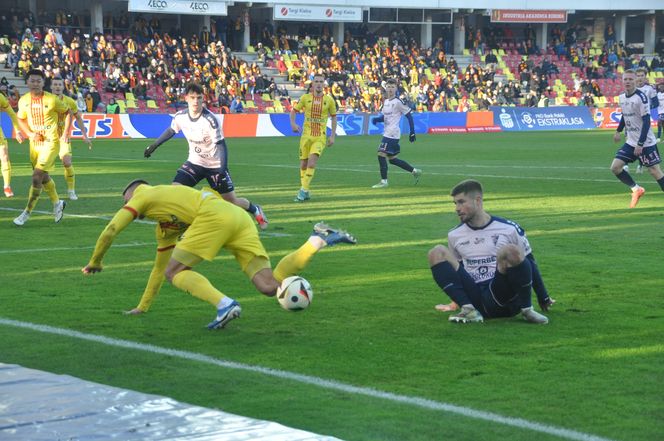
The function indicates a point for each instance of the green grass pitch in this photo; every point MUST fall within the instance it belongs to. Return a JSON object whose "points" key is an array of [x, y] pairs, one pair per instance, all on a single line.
{"points": [[596, 369]]}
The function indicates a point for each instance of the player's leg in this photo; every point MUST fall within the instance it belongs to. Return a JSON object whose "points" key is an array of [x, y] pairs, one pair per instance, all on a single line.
{"points": [[322, 236], [305, 147], [70, 176], [651, 160], [453, 280], [513, 282], [222, 183], [6, 166], [205, 237], [623, 156], [660, 126], [382, 164], [315, 152], [189, 174], [392, 151]]}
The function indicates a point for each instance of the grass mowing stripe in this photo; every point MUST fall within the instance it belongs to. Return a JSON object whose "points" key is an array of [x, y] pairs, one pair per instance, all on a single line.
{"points": [[91, 247], [138, 221], [316, 381]]}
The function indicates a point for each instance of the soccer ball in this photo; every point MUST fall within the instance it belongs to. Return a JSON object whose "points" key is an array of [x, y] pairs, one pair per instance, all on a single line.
{"points": [[294, 293]]}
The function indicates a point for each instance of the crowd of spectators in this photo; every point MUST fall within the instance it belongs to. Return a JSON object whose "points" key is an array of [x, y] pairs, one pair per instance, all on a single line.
{"points": [[155, 65]]}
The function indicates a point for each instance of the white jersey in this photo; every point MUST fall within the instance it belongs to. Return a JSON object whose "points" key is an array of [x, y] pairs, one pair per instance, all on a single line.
{"points": [[476, 248], [660, 97], [634, 107], [202, 134], [393, 110], [649, 91]]}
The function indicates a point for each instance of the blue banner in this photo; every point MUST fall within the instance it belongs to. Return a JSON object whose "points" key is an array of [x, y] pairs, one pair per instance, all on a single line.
{"points": [[542, 118]]}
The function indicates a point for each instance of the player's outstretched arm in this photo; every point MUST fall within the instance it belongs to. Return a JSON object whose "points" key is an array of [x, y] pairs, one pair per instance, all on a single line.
{"points": [[119, 222], [378, 119], [165, 248], [165, 136], [411, 125]]}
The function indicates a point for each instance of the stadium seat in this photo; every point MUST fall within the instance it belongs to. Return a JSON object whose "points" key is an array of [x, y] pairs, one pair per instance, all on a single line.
{"points": [[152, 105], [130, 96]]}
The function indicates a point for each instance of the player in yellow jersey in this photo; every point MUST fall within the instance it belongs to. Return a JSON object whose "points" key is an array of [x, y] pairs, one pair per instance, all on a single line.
{"points": [[5, 164], [64, 129], [38, 114], [205, 223], [317, 107]]}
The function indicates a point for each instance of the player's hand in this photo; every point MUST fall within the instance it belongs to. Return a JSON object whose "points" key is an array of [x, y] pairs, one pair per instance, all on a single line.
{"points": [[134, 311], [89, 269], [19, 137], [616, 137], [149, 150], [546, 303], [36, 137], [330, 140], [64, 138], [295, 128], [89, 143], [412, 137], [375, 120], [638, 150]]}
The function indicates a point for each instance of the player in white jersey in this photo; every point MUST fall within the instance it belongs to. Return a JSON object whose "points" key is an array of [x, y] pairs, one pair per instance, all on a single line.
{"points": [[208, 155], [660, 111], [640, 141], [391, 113], [649, 91], [488, 267]]}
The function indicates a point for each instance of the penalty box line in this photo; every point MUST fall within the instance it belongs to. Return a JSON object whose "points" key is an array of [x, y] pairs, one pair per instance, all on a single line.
{"points": [[414, 401]]}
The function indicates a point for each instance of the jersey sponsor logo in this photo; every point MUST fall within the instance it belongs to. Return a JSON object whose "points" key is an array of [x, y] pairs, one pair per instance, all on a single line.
{"points": [[481, 261]]}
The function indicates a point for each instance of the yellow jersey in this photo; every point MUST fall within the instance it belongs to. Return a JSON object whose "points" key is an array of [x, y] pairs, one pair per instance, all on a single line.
{"points": [[62, 117], [42, 113], [5, 107], [316, 109]]}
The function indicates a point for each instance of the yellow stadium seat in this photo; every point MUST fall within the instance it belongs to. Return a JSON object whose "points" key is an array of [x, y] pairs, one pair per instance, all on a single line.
{"points": [[152, 105]]}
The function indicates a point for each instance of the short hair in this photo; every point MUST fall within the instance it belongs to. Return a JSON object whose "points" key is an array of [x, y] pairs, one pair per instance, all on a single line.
{"points": [[134, 183], [57, 78], [468, 186], [391, 81], [193, 87], [320, 74], [38, 72], [642, 70], [629, 71]]}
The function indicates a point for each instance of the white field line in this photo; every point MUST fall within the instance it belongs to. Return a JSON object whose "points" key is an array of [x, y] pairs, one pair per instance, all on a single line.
{"points": [[139, 221], [424, 403], [91, 247]]}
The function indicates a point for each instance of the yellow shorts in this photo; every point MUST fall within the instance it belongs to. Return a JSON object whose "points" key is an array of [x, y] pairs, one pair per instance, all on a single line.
{"points": [[312, 145], [43, 156], [220, 224], [65, 149]]}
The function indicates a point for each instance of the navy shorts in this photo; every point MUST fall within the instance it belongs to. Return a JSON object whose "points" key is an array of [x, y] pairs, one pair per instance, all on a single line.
{"points": [[389, 146], [649, 155], [494, 298], [191, 174]]}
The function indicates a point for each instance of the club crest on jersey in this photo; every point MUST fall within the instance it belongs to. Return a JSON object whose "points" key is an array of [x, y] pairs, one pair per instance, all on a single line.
{"points": [[478, 240], [494, 239]]}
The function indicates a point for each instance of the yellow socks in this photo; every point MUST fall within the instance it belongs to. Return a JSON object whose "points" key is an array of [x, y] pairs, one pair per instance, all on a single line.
{"points": [[33, 197], [198, 286], [49, 188], [295, 262], [69, 177], [308, 176], [7, 172]]}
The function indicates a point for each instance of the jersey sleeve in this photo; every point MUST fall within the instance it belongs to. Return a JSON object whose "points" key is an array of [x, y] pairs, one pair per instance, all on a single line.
{"points": [[174, 124], [331, 106], [22, 113], [119, 222], [301, 104], [403, 108], [73, 108], [644, 105]]}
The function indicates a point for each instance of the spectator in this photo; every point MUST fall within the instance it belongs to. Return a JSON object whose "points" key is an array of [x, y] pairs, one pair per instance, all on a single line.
{"points": [[112, 107], [236, 105]]}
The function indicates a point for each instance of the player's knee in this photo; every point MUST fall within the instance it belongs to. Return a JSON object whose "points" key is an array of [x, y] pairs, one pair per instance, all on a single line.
{"points": [[267, 287], [438, 254], [510, 255]]}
